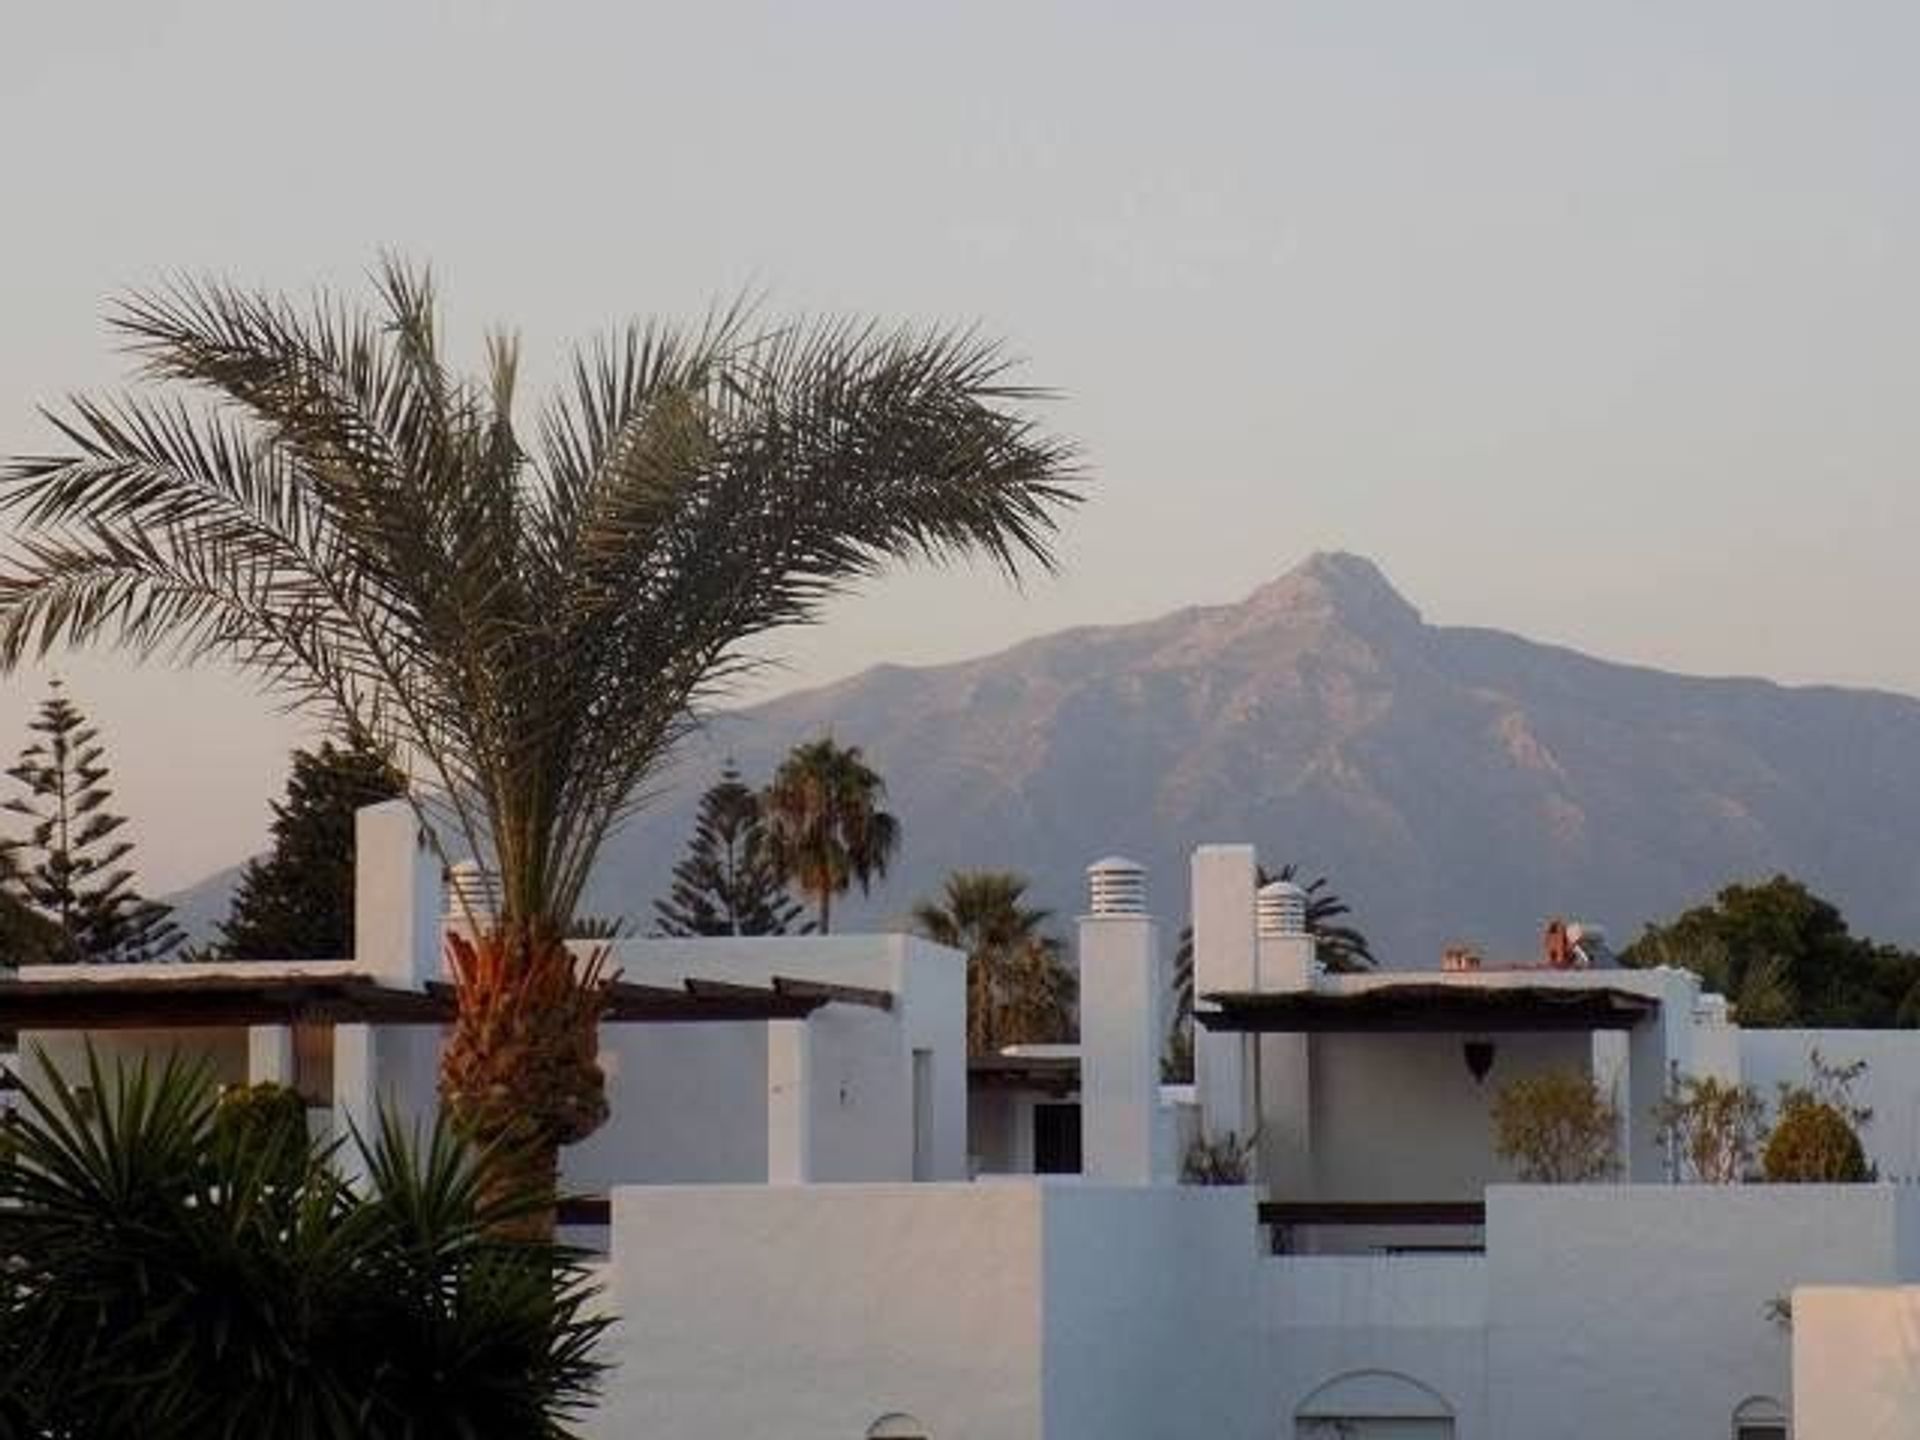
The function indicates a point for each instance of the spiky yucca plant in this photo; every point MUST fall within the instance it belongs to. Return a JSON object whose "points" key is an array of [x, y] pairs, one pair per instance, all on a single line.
{"points": [[183, 1265], [531, 623]]}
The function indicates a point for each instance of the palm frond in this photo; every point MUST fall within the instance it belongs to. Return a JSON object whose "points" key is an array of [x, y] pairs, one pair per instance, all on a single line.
{"points": [[357, 524]]}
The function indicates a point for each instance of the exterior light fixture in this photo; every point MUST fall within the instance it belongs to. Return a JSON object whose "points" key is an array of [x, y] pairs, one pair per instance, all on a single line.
{"points": [[1479, 1057]]}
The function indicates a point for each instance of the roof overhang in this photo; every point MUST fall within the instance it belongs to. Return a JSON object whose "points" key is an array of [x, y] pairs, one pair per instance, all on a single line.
{"points": [[161, 1002], [1426, 1008], [1055, 1075], [151, 1002]]}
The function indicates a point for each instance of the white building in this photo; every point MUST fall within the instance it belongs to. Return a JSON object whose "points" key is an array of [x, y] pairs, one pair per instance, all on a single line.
{"points": [[795, 1247]]}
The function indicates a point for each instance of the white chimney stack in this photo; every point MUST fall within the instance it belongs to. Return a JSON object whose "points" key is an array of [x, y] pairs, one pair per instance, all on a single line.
{"points": [[1225, 959], [1281, 907], [1286, 951], [396, 895], [1120, 1027]]}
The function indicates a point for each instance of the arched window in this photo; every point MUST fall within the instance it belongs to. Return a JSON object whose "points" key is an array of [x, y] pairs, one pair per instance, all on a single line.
{"points": [[1760, 1418], [898, 1427], [1374, 1405]]}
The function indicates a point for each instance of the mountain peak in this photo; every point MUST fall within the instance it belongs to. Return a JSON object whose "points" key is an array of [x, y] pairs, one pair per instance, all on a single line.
{"points": [[1351, 587]]}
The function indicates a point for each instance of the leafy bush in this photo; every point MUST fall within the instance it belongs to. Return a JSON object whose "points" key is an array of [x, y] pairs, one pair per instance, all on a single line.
{"points": [[1817, 1137], [264, 1113], [1222, 1160], [1713, 1127], [179, 1268], [1557, 1128], [1813, 1144]]}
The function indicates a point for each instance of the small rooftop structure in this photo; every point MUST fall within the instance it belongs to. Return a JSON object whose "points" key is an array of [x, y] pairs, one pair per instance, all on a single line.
{"points": [[1117, 886], [1281, 909]]}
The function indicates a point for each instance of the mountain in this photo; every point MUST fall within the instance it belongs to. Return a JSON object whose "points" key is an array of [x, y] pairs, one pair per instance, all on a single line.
{"points": [[200, 908], [1455, 784]]}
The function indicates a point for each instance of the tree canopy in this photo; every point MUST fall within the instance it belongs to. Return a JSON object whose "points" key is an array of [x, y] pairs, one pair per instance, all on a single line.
{"points": [[1785, 957], [25, 937], [826, 826], [1019, 990], [71, 866], [728, 883], [296, 902], [531, 616]]}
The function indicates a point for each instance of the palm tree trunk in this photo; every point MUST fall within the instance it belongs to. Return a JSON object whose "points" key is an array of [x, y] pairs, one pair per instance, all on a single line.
{"points": [[521, 1070], [826, 910]]}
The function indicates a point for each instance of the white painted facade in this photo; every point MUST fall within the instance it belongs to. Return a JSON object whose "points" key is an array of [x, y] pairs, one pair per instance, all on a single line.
{"points": [[1856, 1361], [796, 1248], [1040, 1308], [850, 1092]]}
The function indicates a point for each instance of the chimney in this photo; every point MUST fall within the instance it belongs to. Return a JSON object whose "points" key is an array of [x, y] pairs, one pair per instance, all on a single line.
{"points": [[1286, 951], [1556, 949], [1226, 951], [1120, 1028], [396, 895]]}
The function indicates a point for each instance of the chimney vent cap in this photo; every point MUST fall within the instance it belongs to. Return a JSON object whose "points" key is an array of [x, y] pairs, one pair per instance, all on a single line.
{"points": [[1280, 907], [1117, 886]]}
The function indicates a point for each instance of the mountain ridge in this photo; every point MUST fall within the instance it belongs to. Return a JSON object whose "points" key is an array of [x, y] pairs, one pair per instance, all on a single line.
{"points": [[1457, 783]]}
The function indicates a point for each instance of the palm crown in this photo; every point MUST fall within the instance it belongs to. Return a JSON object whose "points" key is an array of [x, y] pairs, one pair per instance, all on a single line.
{"points": [[826, 830], [533, 621], [1018, 989]]}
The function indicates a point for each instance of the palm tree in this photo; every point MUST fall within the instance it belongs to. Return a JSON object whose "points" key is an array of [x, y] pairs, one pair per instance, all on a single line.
{"points": [[1018, 991], [1341, 948], [531, 622], [825, 827]]}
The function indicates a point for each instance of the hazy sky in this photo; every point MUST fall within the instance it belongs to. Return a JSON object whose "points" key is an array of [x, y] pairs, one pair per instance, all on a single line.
{"points": [[1593, 321]]}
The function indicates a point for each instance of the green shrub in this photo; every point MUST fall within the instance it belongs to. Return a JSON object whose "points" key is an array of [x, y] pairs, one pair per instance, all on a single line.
{"points": [[180, 1267], [1557, 1128], [1712, 1128], [261, 1114], [1222, 1160], [1815, 1144]]}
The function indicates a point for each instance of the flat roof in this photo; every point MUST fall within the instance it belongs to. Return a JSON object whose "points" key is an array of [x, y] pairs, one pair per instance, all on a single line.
{"points": [[150, 1001], [1424, 1006]]}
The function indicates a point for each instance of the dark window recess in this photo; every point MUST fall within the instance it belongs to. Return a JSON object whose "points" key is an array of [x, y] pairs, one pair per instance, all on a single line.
{"points": [[1056, 1139]]}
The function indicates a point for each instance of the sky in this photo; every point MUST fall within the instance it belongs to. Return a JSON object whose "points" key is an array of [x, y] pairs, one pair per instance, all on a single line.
{"points": [[1593, 322]]}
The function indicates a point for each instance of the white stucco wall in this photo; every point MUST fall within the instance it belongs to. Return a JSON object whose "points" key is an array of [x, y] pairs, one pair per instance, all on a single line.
{"points": [[1066, 1310], [1419, 1320], [863, 1058], [1002, 1311], [1399, 1117], [809, 1312], [1151, 1301], [223, 1050], [1641, 1310], [689, 1102], [1856, 1363], [1891, 1084]]}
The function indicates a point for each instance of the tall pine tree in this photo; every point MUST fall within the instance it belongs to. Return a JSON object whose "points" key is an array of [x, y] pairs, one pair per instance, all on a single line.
{"points": [[296, 903], [70, 865], [728, 884]]}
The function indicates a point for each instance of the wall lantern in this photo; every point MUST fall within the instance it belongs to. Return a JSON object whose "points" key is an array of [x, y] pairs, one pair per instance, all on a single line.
{"points": [[1479, 1058]]}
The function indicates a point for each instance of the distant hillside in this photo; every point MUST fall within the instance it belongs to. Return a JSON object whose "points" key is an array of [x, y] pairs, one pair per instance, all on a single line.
{"points": [[199, 909], [1456, 784]]}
